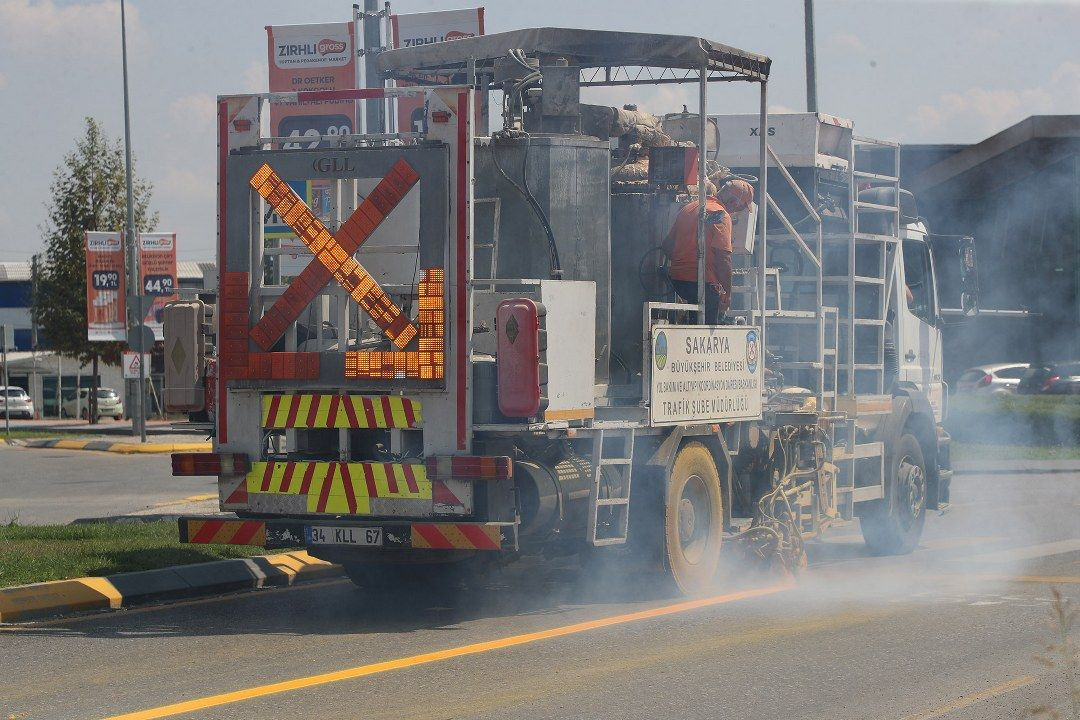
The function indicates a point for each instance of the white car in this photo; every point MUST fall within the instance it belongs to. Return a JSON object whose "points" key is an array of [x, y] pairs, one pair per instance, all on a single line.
{"points": [[16, 403], [996, 379], [108, 404]]}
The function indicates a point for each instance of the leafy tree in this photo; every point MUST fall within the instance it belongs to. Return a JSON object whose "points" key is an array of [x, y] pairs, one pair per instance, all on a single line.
{"points": [[89, 192]]}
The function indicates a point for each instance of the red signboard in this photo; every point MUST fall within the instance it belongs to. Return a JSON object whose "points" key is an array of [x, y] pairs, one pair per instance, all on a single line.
{"points": [[311, 57], [105, 287], [424, 28], [157, 276]]}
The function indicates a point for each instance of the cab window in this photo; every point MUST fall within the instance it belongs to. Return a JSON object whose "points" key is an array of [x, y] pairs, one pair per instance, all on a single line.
{"points": [[918, 279]]}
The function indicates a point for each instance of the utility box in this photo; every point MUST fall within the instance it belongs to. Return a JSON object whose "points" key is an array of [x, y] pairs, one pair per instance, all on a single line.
{"points": [[185, 349], [811, 140]]}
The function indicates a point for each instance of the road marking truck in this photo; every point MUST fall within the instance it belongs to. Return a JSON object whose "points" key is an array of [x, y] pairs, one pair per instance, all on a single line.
{"points": [[476, 354]]}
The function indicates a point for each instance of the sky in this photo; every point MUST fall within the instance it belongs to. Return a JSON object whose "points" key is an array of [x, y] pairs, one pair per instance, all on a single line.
{"points": [[915, 72]]}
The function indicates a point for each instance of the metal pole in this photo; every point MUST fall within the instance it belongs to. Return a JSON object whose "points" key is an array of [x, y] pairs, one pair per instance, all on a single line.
{"points": [[7, 398], [703, 82], [763, 204], [358, 77], [811, 57], [372, 44], [133, 264]]}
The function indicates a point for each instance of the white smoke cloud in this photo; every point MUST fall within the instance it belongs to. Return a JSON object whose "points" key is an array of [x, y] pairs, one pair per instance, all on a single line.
{"points": [[977, 112]]}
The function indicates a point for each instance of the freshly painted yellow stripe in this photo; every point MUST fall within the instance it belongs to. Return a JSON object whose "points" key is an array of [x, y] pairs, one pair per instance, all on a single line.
{"points": [[260, 691], [966, 700]]}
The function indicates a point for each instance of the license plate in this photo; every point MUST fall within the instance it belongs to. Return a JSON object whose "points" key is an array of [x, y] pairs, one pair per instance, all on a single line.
{"points": [[321, 535]]}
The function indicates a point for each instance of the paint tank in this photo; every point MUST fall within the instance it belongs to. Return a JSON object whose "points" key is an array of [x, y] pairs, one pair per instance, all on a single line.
{"points": [[568, 176]]}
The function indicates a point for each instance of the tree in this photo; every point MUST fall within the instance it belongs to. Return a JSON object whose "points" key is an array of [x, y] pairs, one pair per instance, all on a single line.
{"points": [[89, 192]]}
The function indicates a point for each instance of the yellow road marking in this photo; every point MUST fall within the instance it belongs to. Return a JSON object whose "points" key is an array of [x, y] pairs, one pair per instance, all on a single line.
{"points": [[189, 499], [966, 700], [189, 706]]}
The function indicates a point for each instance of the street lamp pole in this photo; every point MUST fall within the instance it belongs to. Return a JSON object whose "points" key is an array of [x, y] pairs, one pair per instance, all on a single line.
{"points": [[136, 315], [811, 56]]}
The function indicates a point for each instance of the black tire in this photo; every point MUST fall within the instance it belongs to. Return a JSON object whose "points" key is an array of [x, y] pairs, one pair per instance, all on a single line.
{"points": [[693, 519], [894, 524]]}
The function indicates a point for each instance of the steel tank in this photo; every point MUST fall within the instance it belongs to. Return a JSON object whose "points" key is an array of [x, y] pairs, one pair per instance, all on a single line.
{"points": [[568, 177]]}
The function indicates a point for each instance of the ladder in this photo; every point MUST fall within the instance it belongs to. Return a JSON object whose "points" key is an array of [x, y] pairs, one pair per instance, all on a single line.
{"points": [[613, 462]]}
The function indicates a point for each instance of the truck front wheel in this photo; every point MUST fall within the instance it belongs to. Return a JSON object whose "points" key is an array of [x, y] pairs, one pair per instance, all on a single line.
{"points": [[895, 523], [693, 519]]}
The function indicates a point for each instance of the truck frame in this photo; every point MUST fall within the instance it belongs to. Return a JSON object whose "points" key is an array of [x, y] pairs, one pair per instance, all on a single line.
{"points": [[404, 388]]}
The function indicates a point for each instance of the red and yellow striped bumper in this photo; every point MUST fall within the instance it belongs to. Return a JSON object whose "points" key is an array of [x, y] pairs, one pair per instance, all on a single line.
{"points": [[396, 535]]}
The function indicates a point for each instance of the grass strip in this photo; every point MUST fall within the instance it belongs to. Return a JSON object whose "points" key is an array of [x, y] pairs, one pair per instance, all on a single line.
{"points": [[36, 553]]}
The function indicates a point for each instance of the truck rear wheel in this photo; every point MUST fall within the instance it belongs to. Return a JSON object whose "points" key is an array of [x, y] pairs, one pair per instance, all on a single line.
{"points": [[693, 519], [895, 524]]}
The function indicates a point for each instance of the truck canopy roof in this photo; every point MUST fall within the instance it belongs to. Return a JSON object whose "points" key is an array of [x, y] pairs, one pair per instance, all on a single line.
{"points": [[586, 49]]}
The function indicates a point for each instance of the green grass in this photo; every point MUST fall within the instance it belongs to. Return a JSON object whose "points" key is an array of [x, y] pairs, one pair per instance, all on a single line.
{"points": [[981, 451], [35, 553], [37, 434]]}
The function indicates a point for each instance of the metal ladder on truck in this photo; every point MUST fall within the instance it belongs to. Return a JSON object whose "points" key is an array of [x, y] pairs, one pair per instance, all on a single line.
{"points": [[612, 467], [860, 266]]}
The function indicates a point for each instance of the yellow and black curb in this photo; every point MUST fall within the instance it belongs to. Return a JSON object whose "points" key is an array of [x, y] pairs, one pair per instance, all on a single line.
{"points": [[61, 597], [125, 448]]}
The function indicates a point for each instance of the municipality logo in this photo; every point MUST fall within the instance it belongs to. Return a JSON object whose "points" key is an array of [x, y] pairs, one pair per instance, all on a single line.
{"points": [[751, 350], [660, 351]]}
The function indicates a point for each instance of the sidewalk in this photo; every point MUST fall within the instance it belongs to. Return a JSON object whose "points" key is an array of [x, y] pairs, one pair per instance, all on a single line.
{"points": [[1016, 467], [104, 427]]}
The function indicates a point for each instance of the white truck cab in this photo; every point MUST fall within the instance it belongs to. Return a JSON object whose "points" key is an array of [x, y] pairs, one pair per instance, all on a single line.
{"points": [[918, 320]]}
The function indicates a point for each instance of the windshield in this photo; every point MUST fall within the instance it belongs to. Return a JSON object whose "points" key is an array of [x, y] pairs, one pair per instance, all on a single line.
{"points": [[106, 393], [15, 392]]}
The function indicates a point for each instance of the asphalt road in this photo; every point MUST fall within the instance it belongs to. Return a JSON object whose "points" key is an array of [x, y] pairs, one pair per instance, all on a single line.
{"points": [[946, 632], [39, 486]]}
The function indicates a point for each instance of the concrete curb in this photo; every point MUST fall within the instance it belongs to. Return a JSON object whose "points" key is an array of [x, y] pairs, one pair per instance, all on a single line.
{"points": [[125, 448], [60, 597]]}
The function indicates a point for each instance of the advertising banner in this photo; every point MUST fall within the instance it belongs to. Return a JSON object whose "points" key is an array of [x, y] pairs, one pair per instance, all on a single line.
{"points": [[105, 287], [423, 28], [705, 373], [311, 57], [157, 276]]}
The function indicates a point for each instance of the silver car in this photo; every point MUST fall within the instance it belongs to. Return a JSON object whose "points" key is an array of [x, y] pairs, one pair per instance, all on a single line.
{"points": [[994, 379], [16, 403]]}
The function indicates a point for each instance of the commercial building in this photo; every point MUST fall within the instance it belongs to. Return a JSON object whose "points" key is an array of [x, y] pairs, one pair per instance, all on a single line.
{"points": [[1018, 193], [45, 374]]}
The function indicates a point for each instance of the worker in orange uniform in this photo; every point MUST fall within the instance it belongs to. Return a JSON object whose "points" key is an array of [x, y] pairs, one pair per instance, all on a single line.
{"points": [[732, 196]]}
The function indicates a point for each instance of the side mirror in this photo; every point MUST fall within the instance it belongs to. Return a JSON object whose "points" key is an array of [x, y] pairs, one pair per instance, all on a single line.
{"points": [[969, 277]]}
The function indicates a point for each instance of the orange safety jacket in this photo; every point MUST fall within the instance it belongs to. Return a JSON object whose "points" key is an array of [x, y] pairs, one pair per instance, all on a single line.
{"points": [[681, 242]]}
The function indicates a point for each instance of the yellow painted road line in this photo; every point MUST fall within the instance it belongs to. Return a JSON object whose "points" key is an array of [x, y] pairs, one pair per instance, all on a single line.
{"points": [[966, 700], [260, 691]]}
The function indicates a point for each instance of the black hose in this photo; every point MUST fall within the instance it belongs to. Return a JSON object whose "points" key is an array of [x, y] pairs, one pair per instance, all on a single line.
{"points": [[553, 249]]}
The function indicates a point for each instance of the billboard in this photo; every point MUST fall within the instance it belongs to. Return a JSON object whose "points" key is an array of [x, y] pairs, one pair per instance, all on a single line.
{"points": [[311, 57], [157, 276], [105, 287], [423, 28]]}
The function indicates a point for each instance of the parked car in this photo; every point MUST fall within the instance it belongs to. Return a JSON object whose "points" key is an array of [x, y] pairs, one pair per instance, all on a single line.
{"points": [[108, 404], [995, 379], [1059, 378], [16, 403]]}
